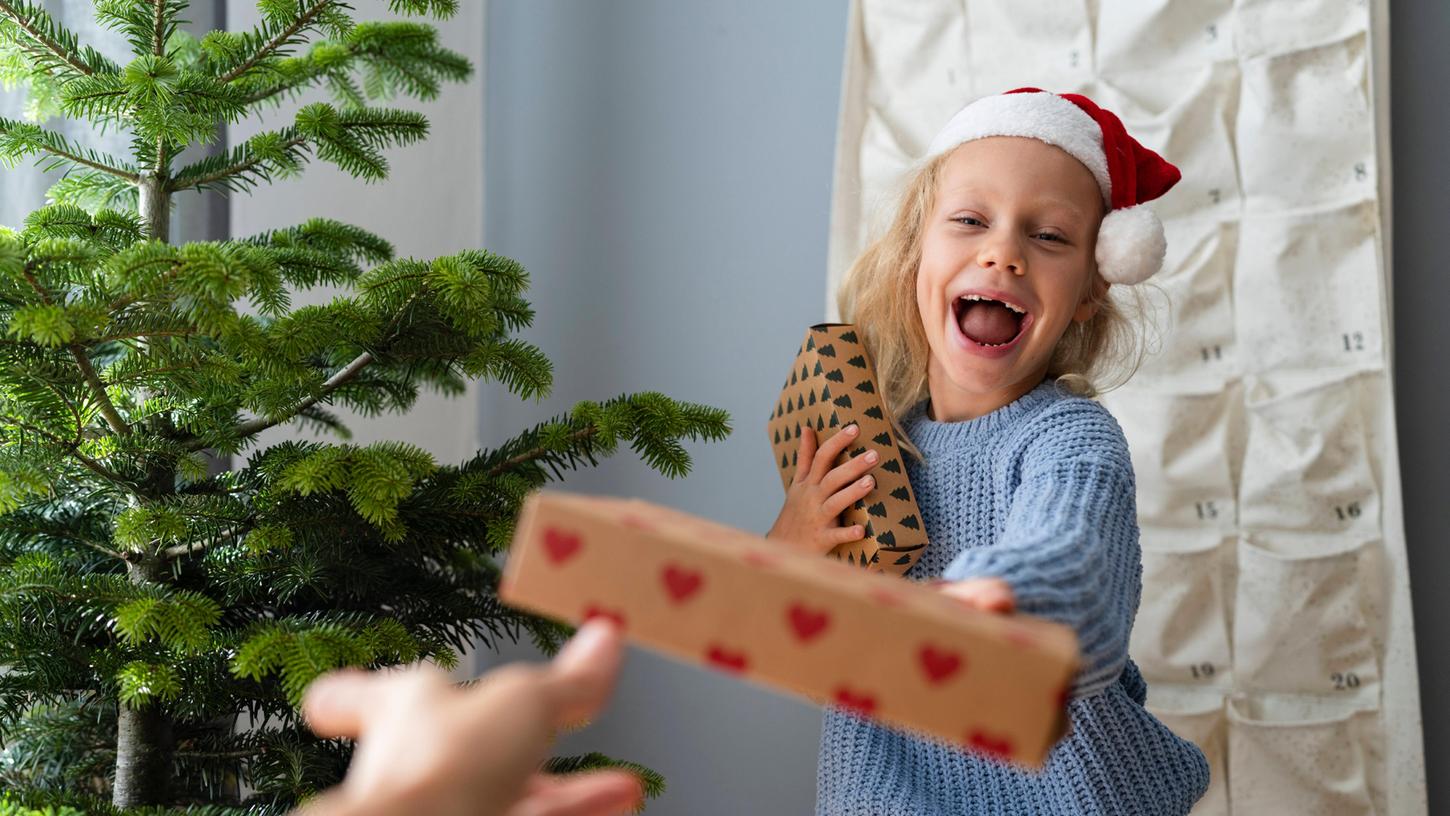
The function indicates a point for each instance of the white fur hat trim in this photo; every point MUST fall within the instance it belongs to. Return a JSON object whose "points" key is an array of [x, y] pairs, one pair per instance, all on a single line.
{"points": [[1043, 116]]}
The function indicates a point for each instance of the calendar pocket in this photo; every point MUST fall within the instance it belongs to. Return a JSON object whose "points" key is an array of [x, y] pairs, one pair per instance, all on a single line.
{"points": [[1267, 27], [1206, 727], [1185, 113], [1151, 35], [1197, 353], [911, 56], [1306, 466], [1178, 445], [1300, 624], [1286, 761], [1306, 129], [1307, 291], [1052, 36], [1181, 632]]}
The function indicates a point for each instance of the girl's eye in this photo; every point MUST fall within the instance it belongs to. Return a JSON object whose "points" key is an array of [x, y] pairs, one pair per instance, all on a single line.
{"points": [[965, 218], [1050, 235]]}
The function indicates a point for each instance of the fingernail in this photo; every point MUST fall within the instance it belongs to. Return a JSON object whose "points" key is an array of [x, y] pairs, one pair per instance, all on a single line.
{"points": [[852, 429], [866, 480], [871, 456]]}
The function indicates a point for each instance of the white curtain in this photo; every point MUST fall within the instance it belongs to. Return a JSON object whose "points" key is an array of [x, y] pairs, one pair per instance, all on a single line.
{"points": [[1275, 627]]}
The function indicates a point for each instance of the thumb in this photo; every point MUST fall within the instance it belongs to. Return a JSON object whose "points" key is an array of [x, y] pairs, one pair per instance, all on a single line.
{"points": [[581, 677]]}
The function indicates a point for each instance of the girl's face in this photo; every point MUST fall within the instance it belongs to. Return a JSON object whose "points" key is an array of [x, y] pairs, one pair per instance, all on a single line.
{"points": [[1015, 220]]}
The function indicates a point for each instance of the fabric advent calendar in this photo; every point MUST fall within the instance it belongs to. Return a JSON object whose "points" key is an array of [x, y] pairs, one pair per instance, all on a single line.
{"points": [[1275, 627]]}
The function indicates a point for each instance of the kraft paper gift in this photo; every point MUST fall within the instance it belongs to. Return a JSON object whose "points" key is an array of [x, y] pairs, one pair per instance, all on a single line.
{"points": [[831, 385], [705, 593]]}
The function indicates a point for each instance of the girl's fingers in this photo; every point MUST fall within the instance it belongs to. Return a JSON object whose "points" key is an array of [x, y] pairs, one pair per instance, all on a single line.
{"points": [[831, 450], [805, 454], [849, 471], [987, 594], [843, 498], [842, 535]]}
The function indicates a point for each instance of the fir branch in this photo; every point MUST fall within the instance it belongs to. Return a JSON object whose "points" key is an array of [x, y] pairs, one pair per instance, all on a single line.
{"points": [[336, 381], [538, 452], [196, 548], [22, 138], [71, 449], [281, 39], [98, 389], [31, 20], [183, 181]]}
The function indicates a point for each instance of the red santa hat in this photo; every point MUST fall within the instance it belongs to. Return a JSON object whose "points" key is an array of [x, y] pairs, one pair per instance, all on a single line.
{"points": [[1131, 245]]}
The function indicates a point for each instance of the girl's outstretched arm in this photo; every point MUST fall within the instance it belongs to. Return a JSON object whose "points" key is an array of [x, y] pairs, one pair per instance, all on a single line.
{"points": [[1069, 549]]}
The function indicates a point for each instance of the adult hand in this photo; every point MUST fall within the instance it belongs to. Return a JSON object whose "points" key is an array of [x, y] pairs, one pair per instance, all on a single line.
{"points": [[427, 746]]}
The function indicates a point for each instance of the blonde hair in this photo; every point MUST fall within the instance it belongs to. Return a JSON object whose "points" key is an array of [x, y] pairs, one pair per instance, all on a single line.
{"points": [[878, 295]]}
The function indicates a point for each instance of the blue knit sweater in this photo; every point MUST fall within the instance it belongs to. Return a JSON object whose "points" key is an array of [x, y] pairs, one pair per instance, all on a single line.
{"points": [[1041, 493]]}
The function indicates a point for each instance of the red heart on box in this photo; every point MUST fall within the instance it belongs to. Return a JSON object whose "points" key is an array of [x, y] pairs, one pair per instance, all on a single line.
{"points": [[593, 611], [988, 744], [681, 583], [863, 703], [808, 622], [727, 660], [939, 665], [561, 546]]}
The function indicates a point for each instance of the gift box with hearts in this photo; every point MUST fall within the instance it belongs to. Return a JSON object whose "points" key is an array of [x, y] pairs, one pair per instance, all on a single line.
{"points": [[831, 385], [897, 651]]}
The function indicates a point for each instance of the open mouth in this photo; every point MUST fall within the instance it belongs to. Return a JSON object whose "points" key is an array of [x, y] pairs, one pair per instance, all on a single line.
{"points": [[988, 322]]}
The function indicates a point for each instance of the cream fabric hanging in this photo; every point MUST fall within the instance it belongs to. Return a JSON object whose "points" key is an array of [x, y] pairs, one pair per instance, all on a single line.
{"points": [[1275, 628]]}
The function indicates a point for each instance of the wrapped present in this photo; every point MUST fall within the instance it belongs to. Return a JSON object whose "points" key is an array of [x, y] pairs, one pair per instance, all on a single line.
{"points": [[831, 385], [880, 647]]}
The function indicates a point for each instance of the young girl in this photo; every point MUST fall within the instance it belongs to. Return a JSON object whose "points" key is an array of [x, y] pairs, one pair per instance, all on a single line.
{"points": [[1009, 234]]}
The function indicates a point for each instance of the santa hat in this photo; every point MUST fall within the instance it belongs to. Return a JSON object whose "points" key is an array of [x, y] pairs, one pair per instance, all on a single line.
{"points": [[1130, 246]]}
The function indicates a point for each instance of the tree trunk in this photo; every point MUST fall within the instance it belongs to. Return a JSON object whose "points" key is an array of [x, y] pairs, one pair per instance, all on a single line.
{"points": [[154, 206], [144, 743]]}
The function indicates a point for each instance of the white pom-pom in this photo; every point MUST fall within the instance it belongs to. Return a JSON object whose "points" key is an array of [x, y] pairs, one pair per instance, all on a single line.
{"points": [[1131, 245]]}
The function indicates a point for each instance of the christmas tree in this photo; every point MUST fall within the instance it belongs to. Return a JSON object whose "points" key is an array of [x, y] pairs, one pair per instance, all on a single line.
{"points": [[159, 620]]}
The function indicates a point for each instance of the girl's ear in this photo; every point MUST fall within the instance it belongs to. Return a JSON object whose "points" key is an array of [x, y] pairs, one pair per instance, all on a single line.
{"points": [[1095, 295]]}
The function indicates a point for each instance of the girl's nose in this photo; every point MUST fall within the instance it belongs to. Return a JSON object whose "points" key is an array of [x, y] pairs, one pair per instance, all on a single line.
{"points": [[1001, 253]]}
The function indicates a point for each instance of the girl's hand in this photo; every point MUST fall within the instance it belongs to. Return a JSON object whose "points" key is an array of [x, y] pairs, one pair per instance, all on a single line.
{"points": [[810, 519], [986, 594]]}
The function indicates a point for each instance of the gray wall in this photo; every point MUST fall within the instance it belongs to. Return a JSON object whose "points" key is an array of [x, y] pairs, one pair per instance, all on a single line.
{"points": [[663, 170], [1419, 74]]}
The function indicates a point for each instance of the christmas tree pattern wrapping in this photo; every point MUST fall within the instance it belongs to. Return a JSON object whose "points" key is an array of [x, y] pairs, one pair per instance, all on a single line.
{"points": [[729, 600], [831, 385]]}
